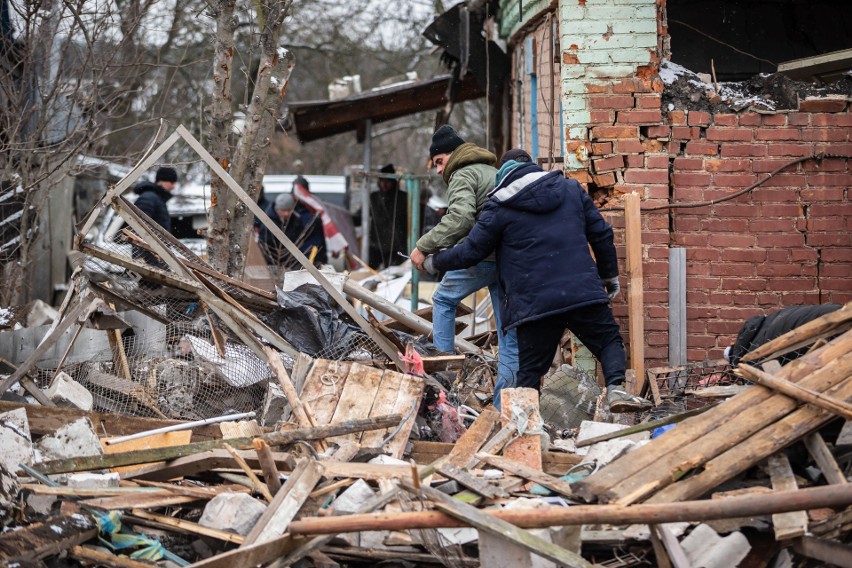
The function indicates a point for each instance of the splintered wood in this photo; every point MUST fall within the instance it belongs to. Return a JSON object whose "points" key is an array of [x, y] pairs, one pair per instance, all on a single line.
{"points": [[338, 391]]}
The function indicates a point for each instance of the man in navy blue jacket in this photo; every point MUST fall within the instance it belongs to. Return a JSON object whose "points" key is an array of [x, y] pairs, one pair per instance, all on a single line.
{"points": [[541, 225], [152, 201]]}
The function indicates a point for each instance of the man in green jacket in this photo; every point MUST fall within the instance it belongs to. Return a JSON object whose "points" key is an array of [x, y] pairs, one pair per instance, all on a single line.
{"points": [[469, 173]]}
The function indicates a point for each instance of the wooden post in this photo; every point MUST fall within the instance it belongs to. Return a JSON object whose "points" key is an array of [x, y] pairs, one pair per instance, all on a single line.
{"points": [[635, 300]]}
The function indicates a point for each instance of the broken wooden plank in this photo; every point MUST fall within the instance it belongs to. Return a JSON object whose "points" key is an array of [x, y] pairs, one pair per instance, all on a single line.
{"points": [[635, 297], [554, 463], [674, 550], [296, 406], [188, 526], [462, 454], [286, 504], [834, 553], [92, 557], [824, 459], [493, 525], [517, 468], [407, 403], [162, 440], [795, 523], [440, 363], [267, 465], [357, 397], [796, 391], [323, 387], [257, 484], [159, 454], [385, 402]]}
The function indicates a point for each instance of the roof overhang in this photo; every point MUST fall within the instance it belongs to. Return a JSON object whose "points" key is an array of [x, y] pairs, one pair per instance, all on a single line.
{"points": [[319, 119]]}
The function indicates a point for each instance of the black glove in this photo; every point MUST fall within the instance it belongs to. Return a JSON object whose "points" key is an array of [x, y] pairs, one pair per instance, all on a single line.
{"points": [[429, 265], [612, 287]]}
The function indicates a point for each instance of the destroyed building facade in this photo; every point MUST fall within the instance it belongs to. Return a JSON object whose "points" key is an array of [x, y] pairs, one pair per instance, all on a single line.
{"points": [[593, 91]]}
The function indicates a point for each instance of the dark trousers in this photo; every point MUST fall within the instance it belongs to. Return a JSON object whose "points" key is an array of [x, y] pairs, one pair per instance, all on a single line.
{"points": [[593, 325]]}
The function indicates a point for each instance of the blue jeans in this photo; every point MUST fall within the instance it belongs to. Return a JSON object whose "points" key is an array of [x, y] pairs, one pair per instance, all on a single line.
{"points": [[458, 285]]}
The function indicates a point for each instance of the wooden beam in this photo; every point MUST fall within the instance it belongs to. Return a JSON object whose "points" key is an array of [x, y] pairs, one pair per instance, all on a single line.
{"points": [[516, 468], [635, 296], [794, 523], [824, 459], [796, 392], [188, 526], [39, 540], [469, 443], [833, 553]]}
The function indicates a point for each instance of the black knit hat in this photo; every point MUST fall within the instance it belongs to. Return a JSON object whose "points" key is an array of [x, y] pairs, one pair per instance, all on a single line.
{"points": [[166, 174], [444, 141], [517, 155], [388, 169]]}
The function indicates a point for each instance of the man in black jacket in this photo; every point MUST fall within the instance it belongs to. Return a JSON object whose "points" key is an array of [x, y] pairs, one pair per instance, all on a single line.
{"points": [[541, 226], [152, 201]]}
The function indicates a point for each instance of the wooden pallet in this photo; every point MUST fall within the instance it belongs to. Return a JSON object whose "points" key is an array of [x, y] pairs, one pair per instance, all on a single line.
{"points": [[342, 390]]}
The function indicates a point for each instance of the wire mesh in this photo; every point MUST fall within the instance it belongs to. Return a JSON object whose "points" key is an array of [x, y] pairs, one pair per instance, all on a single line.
{"points": [[568, 396], [449, 553]]}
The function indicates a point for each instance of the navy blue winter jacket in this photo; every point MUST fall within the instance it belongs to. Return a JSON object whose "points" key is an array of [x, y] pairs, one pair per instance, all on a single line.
{"points": [[152, 201], [540, 224]]}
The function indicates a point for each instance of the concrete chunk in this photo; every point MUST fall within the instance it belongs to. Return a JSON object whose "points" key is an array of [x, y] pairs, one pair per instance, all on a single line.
{"points": [[590, 429], [233, 512], [275, 405], [354, 497], [93, 480], [8, 494], [706, 549], [15, 444], [76, 439], [68, 393]]}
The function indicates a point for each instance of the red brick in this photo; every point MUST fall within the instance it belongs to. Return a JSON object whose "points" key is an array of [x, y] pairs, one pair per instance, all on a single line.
{"points": [[772, 225], [639, 117], [691, 239], [611, 102], [775, 119], [648, 101], [601, 117], [829, 239], [798, 119], [724, 225], [691, 223], [754, 255], [823, 194], [653, 146], [732, 269], [677, 117], [686, 133], [768, 299], [785, 180], [601, 148], [826, 165], [594, 88], [635, 160], [646, 176], [830, 179], [749, 119], [836, 270], [688, 164], [702, 148], [722, 165], [698, 118], [772, 270], [824, 135], [657, 191], [732, 240], [837, 255], [793, 284], [736, 208], [781, 210], [825, 223], [658, 131], [804, 255], [752, 284], [734, 180], [782, 240], [777, 134], [761, 166], [628, 86], [608, 164], [831, 119], [725, 119], [702, 254], [822, 105], [627, 146], [693, 179], [837, 148], [615, 132], [743, 150], [765, 194], [793, 150], [729, 134], [658, 161], [604, 180]]}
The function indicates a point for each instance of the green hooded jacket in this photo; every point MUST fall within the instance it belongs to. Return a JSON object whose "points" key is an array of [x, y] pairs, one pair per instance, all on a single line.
{"points": [[469, 175]]}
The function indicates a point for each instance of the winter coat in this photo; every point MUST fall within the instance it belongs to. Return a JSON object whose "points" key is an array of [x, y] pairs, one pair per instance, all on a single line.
{"points": [[758, 330], [315, 236], [273, 251], [152, 201], [469, 175], [541, 226]]}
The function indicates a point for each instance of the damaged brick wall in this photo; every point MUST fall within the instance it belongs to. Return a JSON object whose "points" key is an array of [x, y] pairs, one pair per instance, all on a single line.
{"points": [[786, 242]]}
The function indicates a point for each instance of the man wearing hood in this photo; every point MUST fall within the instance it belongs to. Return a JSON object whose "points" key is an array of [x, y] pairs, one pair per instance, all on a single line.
{"points": [[541, 226], [468, 171], [152, 201]]}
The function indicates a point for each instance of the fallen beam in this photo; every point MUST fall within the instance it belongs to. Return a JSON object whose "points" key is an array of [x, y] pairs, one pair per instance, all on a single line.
{"points": [[833, 496], [173, 452]]}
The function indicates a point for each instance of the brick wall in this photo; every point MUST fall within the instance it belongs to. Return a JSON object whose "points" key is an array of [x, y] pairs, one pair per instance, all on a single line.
{"points": [[784, 243]]}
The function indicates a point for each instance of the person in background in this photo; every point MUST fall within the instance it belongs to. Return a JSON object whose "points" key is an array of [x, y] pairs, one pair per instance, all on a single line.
{"points": [[265, 206], [469, 172], [541, 226], [312, 223], [388, 221], [758, 330], [281, 212], [152, 201]]}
